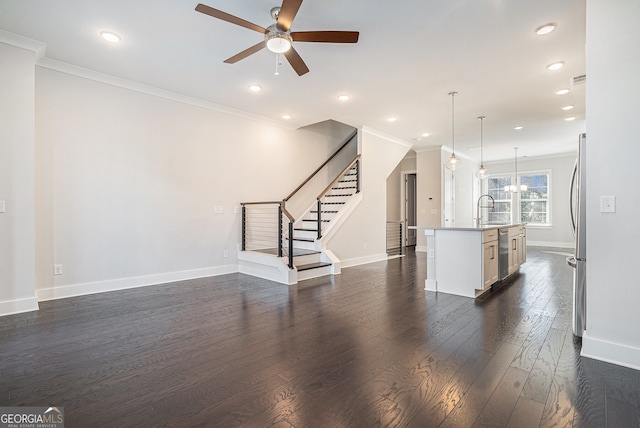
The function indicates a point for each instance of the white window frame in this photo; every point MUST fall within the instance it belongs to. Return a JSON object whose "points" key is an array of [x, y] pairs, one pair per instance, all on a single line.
{"points": [[516, 201]]}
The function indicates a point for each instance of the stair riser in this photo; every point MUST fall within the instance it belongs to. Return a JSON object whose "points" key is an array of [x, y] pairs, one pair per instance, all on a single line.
{"points": [[303, 245], [305, 234], [314, 273], [305, 260]]}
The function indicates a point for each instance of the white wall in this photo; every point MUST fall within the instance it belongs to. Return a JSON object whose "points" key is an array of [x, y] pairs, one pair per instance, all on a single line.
{"points": [[395, 187], [559, 233], [429, 190], [362, 238], [17, 188], [128, 183], [613, 153]]}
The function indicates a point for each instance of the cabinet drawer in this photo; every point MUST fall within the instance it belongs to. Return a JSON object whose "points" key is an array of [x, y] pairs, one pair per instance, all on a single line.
{"points": [[490, 235]]}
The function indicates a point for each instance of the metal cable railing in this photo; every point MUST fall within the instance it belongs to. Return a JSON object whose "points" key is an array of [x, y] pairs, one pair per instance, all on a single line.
{"points": [[395, 243]]}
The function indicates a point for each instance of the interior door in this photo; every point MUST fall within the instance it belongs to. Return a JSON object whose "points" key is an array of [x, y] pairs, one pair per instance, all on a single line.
{"points": [[410, 209]]}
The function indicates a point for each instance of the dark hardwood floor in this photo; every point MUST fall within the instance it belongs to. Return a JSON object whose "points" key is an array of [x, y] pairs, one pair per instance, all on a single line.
{"points": [[366, 348]]}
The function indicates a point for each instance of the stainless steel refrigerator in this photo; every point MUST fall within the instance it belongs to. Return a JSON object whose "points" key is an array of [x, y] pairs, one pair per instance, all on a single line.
{"points": [[577, 203]]}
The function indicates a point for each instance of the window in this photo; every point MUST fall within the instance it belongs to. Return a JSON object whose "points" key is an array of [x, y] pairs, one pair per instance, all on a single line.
{"points": [[533, 203], [502, 199]]}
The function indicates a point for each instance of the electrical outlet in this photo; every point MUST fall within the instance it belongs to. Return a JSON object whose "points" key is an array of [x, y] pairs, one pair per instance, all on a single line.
{"points": [[226, 253], [431, 253], [57, 269]]}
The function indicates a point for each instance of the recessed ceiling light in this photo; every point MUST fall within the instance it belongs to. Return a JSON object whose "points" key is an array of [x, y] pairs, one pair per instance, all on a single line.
{"points": [[519, 127], [392, 119], [286, 116], [255, 88], [344, 97], [563, 91], [570, 118], [567, 107], [556, 65], [425, 134], [110, 37], [545, 29]]}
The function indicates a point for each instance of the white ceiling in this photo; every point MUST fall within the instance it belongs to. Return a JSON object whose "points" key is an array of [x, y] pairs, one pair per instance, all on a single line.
{"points": [[410, 55]]}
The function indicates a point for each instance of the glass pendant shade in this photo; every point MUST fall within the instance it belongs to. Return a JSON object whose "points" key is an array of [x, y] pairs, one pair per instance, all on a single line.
{"points": [[482, 172], [453, 163]]}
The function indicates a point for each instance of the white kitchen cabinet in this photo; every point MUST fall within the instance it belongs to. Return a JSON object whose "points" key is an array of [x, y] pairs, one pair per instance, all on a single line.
{"points": [[466, 261]]}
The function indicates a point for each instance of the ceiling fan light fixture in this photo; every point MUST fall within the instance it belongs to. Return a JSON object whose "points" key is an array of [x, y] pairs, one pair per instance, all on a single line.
{"points": [[278, 42]]}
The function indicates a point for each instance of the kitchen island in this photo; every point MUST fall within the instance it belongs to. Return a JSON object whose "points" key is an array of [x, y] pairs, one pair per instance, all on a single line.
{"points": [[469, 261]]}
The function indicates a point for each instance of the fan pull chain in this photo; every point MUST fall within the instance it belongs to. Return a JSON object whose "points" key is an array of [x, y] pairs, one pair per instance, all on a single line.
{"points": [[278, 62]]}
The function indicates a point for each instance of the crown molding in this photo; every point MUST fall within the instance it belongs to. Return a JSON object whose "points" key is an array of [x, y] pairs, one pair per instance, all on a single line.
{"points": [[108, 79], [388, 137]]}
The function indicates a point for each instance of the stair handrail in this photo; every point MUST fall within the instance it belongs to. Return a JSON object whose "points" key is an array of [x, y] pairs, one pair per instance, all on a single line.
{"points": [[339, 176], [314, 173], [326, 190]]}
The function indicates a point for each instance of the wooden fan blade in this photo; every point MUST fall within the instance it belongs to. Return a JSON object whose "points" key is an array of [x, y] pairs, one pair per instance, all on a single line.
{"points": [[288, 11], [296, 62], [245, 53], [326, 36], [203, 8]]}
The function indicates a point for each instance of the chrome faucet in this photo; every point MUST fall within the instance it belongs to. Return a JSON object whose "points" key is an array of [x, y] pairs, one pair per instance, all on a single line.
{"points": [[478, 207]]}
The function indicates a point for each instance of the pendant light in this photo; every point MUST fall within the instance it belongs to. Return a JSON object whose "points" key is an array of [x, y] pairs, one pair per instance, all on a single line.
{"points": [[453, 163], [482, 172], [514, 188]]}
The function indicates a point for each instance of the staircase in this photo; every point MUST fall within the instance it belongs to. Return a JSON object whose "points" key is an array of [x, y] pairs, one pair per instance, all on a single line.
{"points": [[279, 247], [308, 258]]}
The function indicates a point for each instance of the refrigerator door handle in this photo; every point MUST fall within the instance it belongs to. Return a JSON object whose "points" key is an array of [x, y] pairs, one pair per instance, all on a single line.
{"points": [[572, 214]]}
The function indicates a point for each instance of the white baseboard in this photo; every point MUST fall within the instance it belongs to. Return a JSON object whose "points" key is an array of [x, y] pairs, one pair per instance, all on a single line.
{"points": [[18, 306], [364, 260], [131, 282], [553, 244], [610, 352]]}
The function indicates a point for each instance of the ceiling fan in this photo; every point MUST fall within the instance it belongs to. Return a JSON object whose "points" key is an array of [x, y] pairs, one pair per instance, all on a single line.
{"points": [[278, 37]]}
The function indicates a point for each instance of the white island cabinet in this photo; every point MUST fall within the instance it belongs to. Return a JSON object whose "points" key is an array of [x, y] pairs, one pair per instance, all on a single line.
{"points": [[466, 261]]}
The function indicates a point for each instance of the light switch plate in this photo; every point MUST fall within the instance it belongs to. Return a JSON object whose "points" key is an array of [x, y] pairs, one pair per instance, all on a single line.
{"points": [[218, 209], [607, 204], [3, 207]]}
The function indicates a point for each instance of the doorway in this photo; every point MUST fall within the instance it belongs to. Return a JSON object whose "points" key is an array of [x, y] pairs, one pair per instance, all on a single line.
{"points": [[410, 209]]}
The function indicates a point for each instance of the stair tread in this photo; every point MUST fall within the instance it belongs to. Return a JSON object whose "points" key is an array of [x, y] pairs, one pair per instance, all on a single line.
{"points": [[312, 266], [337, 196], [324, 211], [304, 229], [304, 239]]}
